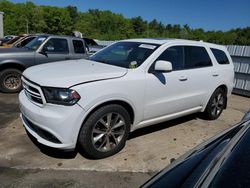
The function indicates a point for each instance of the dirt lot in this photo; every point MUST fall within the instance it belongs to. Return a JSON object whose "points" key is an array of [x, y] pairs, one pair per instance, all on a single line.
{"points": [[147, 151]]}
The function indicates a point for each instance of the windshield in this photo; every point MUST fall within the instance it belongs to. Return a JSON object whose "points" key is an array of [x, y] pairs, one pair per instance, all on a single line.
{"points": [[35, 43], [125, 54]]}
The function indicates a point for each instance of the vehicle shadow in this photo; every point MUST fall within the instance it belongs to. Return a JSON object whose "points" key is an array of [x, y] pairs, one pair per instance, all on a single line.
{"points": [[53, 152], [62, 154], [161, 126]]}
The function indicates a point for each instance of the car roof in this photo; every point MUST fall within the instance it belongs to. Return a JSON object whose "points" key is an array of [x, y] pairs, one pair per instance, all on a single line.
{"points": [[161, 41], [56, 36]]}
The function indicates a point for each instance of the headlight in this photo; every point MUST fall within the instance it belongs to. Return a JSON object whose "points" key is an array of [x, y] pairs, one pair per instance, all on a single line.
{"points": [[61, 96]]}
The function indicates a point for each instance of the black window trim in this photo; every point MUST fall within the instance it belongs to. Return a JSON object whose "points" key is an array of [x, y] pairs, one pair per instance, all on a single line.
{"points": [[152, 65], [211, 48], [198, 67]]}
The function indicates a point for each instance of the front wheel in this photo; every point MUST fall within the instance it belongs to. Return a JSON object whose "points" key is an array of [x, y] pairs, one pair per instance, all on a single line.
{"points": [[105, 132], [215, 105], [10, 80]]}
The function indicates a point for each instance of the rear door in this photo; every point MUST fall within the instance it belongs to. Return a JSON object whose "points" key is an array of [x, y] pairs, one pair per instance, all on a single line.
{"points": [[199, 70], [79, 49], [54, 49]]}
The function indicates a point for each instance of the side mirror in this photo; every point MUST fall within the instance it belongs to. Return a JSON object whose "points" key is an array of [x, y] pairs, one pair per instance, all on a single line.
{"points": [[48, 48], [163, 66], [43, 51]]}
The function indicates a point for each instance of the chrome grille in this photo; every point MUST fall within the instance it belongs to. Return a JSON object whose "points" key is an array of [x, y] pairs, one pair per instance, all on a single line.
{"points": [[32, 91]]}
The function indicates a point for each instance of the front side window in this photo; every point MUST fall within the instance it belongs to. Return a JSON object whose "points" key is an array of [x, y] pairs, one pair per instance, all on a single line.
{"points": [[196, 57], [125, 54], [56, 45], [220, 56], [174, 55], [78, 47]]}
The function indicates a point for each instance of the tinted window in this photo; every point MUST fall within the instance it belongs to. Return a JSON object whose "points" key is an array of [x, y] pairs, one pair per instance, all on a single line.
{"points": [[196, 57], [174, 55], [57, 45], [78, 47], [220, 56]]}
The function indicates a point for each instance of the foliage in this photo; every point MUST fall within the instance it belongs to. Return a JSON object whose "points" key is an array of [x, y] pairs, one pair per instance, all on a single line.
{"points": [[104, 25]]}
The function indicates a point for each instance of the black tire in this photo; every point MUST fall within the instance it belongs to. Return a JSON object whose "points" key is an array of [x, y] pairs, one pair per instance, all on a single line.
{"points": [[107, 144], [216, 104], [10, 80]]}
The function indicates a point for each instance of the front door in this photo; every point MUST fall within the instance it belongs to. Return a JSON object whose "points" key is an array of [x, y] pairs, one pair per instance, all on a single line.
{"points": [[55, 49]]}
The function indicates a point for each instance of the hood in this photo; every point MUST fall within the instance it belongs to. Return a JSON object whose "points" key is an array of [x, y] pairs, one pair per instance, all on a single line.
{"points": [[14, 50], [68, 73]]}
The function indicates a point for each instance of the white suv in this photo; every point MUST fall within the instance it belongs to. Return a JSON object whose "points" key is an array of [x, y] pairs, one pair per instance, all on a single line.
{"points": [[131, 84]]}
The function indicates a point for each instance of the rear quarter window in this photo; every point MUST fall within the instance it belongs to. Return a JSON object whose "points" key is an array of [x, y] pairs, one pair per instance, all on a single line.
{"points": [[220, 56]]}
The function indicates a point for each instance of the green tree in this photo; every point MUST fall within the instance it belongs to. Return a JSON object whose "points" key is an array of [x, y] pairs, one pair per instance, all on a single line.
{"points": [[104, 25]]}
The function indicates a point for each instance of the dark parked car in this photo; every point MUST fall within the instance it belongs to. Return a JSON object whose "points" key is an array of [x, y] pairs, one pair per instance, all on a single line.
{"points": [[6, 39], [222, 161], [43, 49]]}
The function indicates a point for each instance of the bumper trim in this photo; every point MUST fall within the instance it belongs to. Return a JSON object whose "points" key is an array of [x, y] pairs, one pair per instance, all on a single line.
{"points": [[64, 146], [41, 132]]}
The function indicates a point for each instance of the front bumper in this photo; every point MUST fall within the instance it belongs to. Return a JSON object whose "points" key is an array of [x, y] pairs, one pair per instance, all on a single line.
{"points": [[55, 126]]}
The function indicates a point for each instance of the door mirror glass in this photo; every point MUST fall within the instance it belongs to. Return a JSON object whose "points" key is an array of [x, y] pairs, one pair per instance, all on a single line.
{"points": [[163, 66]]}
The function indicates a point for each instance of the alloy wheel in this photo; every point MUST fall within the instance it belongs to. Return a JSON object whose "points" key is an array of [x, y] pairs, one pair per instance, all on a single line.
{"points": [[12, 81], [108, 132], [217, 104]]}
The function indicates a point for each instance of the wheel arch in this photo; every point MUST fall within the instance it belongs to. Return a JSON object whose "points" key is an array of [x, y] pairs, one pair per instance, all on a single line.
{"points": [[123, 103], [12, 65], [225, 89]]}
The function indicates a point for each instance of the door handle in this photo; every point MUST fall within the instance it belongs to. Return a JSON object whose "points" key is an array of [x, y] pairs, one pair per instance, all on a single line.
{"points": [[183, 78], [215, 75]]}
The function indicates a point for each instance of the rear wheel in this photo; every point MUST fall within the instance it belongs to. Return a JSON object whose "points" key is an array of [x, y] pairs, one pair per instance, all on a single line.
{"points": [[215, 105], [105, 132], [10, 80]]}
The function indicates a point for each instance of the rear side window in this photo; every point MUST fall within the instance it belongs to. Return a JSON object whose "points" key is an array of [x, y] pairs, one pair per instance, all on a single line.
{"points": [[196, 57], [78, 47], [220, 56], [174, 55]]}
